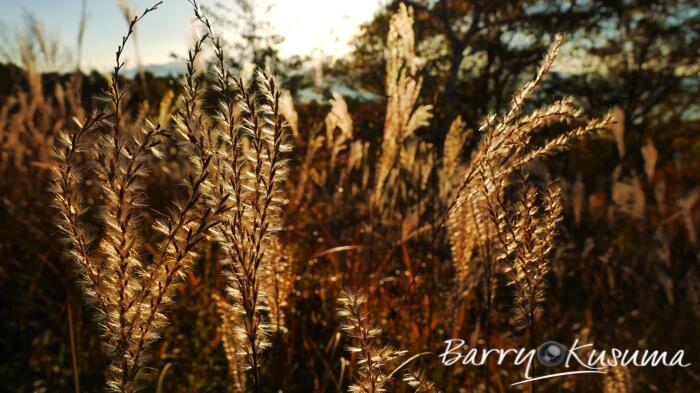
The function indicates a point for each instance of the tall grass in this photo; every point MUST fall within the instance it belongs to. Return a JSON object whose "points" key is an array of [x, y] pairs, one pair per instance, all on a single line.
{"points": [[128, 289], [473, 241]]}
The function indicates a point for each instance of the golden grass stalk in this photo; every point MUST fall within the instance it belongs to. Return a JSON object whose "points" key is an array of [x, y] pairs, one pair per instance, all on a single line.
{"points": [[127, 288], [338, 119], [418, 382], [228, 329], [290, 114], [249, 165], [403, 85], [457, 137], [526, 236], [377, 365], [278, 280], [375, 362], [505, 147]]}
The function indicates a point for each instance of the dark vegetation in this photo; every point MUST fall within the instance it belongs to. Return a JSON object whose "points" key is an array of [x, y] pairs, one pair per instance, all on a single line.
{"points": [[624, 271]]}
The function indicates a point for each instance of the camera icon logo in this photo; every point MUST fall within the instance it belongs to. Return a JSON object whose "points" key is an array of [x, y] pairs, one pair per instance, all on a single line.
{"points": [[551, 353]]}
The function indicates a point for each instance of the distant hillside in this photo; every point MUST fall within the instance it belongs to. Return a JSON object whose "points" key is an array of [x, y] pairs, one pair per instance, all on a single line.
{"points": [[170, 69]]}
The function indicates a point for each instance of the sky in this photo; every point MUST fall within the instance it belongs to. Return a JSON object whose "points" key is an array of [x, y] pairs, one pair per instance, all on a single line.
{"points": [[316, 27]]}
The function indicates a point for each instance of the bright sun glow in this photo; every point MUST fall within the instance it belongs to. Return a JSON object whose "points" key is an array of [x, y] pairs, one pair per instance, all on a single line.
{"points": [[310, 27], [319, 27]]}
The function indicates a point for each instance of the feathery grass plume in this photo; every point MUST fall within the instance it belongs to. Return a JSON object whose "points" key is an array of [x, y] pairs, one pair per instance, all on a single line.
{"points": [[30, 122], [70, 208], [277, 278], [110, 277], [416, 159], [328, 146], [251, 167], [34, 48], [526, 237], [375, 362], [504, 148], [249, 233], [358, 152], [337, 119], [228, 328], [471, 246], [129, 293], [418, 382], [290, 114], [36, 52], [403, 85], [482, 220], [456, 138]]}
